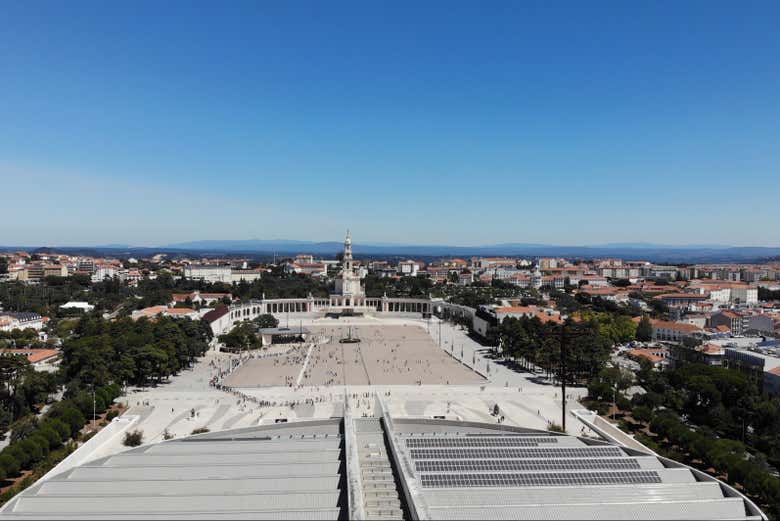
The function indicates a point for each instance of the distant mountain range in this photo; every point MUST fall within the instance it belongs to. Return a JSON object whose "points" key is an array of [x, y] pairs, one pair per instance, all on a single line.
{"points": [[284, 245], [650, 251], [692, 253]]}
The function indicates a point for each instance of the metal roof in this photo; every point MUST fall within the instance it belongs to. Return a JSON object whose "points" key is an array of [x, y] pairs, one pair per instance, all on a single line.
{"points": [[415, 468], [464, 470], [286, 471]]}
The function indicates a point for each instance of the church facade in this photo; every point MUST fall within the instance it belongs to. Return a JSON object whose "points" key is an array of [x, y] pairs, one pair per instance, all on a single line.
{"points": [[349, 298], [349, 288]]}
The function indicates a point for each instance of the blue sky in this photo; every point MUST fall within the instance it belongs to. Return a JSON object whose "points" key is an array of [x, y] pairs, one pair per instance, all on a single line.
{"points": [[410, 122]]}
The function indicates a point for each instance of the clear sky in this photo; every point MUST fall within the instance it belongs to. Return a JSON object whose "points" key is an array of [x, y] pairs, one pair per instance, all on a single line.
{"points": [[462, 123]]}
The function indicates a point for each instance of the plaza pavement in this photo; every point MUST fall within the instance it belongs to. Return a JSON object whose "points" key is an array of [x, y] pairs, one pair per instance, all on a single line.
{"points": [[523, 398]]}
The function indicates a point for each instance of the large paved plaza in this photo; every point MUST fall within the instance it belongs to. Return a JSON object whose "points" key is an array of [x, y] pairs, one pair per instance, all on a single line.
{"points": [[278, 387], [402, 354]]}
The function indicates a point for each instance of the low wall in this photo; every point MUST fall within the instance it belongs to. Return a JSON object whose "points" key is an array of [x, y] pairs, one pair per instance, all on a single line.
{"points": [[86, 452], [607, 430]]}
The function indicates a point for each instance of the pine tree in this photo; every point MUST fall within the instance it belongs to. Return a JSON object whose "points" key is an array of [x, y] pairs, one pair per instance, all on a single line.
{"points": [[644, 332]]}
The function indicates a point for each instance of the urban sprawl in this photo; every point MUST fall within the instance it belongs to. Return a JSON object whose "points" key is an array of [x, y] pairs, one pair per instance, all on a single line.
{"points": [[677, 366]]}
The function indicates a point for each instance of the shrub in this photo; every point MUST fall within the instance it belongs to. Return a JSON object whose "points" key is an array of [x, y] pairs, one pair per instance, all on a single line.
{"points": [[72, 416], [623, 403], [201, 430], [9, 464], [554, 427], [60, 427], [23, 427], [34, 450], [83, 400], [113, 391], [43, 443], [85, 437], [17, 453], [133, 438], [112, 414], [51, 436]]}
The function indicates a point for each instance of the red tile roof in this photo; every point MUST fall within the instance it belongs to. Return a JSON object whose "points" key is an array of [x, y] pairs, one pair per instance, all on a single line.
{"points": [[676, 326], [180, 311], [215, 314], [33, 355], [647, 354]]}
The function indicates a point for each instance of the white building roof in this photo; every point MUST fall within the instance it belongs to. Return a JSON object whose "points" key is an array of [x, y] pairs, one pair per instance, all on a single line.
{"points": [[442, 469], [272, 472], [462, 470]]}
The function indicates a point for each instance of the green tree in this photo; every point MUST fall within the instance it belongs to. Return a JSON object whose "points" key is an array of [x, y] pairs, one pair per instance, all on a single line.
{"points": [[644, 331], [266, 320]]}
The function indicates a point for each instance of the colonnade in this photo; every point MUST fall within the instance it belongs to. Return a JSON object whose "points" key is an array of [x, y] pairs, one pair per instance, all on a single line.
{"points": [[254, 308]]}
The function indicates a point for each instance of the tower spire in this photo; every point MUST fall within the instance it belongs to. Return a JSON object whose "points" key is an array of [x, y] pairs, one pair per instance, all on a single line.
{"points": [[348, 249]]}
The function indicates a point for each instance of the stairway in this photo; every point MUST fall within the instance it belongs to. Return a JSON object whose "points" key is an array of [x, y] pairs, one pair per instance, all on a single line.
{"points": [[381, 499]]}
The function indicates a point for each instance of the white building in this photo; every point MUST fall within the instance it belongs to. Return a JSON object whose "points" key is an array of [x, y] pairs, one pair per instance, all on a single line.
{"points": [[744, 295], [536, 278], [349, 284], [247, 275], [21, 320], [209, 273], [720, 294], [409, 268], [84, 306], [104, 271]]}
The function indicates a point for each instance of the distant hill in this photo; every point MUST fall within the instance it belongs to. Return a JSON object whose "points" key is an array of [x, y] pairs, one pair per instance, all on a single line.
{"points": [[255, 245], [648, 251], [264, 249]]}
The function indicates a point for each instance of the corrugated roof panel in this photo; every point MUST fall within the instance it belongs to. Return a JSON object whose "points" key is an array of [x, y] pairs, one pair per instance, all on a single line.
{"points": [[203, 472], [283, 457], [730, 508], [178, 504], [189, 487]]}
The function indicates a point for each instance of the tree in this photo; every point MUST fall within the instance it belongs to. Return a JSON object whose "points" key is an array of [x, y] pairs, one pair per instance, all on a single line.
{"points": [[642, 413], [266, 320], [608, 382], [644, 331], [242, 336], [9, 464], [70, 415]]}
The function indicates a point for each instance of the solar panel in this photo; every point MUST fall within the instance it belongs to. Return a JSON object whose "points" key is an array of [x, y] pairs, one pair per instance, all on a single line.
{"points": [[538, 479], [512, 441], [498, 465], [526, 434], [488, 453]]}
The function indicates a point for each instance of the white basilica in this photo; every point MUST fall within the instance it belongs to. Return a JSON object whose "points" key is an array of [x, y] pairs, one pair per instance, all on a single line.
{"points": [[349, 290], [349, 298]]}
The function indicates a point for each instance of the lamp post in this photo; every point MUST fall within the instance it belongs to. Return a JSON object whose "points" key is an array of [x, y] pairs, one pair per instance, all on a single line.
{"points": [[614, 400]]}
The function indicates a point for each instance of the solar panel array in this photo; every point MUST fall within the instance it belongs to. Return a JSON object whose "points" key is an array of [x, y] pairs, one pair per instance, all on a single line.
{"points": [[538, 479], [462, 461], [562, 452], [508, 441], [506, 434], [527, 464]]}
